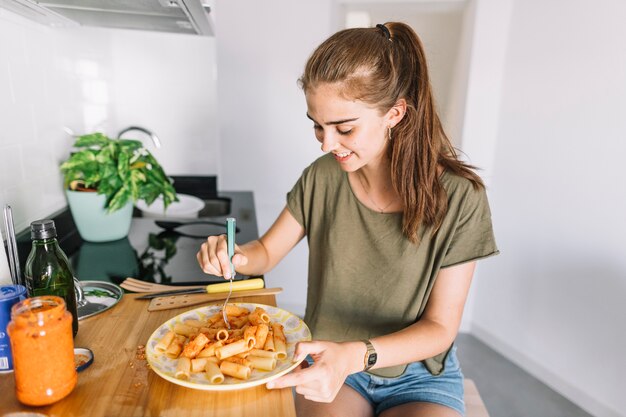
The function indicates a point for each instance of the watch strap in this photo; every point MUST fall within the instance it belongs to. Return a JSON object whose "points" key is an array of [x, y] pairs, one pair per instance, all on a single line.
{"points": [[370, 355]]}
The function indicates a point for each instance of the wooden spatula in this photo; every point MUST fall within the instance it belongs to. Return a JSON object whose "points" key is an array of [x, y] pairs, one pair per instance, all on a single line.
{"points": [[176, 301]]}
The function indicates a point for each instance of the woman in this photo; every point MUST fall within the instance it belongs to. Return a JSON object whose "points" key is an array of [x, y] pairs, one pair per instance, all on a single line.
{"points": [[395, 224]]}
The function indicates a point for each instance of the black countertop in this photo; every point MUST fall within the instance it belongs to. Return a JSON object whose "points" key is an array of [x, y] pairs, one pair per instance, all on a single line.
{"points": [[150, 253]]}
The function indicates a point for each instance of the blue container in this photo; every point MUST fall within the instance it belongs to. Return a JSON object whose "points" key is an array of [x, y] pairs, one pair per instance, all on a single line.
{"points": [[9, 295]]}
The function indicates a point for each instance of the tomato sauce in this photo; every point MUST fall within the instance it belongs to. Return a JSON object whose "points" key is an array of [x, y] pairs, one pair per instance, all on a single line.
{"points": [[43, 350]]}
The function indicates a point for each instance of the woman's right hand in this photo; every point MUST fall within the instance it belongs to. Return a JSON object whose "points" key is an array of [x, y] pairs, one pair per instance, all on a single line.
{"points": [[213, 257]]}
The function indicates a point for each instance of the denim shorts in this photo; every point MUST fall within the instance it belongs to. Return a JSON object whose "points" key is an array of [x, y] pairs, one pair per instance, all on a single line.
{"points": [[415, 385]]}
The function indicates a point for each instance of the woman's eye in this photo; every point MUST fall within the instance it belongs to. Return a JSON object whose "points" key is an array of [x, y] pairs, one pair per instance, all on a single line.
{"points": [[344, 132], [319, 132]]}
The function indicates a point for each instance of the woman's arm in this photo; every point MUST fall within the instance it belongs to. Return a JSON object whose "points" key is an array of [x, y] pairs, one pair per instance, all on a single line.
{"points": [[431, 335], [437, 328], [255, 257]]}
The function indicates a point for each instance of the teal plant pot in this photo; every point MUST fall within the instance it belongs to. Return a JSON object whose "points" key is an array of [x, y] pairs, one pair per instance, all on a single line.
{"points": [[94, 224]]}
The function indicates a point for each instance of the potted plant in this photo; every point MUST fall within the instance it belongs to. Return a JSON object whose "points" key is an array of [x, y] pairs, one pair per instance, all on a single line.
{"points": [[103, 177]]}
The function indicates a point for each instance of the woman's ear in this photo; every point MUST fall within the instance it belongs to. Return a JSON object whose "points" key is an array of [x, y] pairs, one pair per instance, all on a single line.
{"points": [[396, 113]]}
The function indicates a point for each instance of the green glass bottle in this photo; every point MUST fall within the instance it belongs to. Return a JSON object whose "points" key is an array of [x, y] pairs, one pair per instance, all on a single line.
{"points": [[48, 270]]}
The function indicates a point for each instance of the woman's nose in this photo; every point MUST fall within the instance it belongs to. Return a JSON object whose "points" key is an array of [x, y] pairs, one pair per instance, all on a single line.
{"points": [[328, 143]]}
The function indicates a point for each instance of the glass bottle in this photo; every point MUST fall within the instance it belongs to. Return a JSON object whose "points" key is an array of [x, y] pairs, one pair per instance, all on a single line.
{"points": [[48, 270], [43, 350]]}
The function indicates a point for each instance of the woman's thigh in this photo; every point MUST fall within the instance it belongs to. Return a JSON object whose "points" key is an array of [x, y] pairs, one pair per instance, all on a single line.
{"points": [[347, 403]]}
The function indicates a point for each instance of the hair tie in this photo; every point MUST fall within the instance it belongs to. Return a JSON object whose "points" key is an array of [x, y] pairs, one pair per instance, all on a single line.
{"points": [[385, 31]]}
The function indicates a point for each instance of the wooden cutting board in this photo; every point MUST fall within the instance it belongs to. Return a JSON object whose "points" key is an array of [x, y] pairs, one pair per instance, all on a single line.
{"points": [[177, 301]]}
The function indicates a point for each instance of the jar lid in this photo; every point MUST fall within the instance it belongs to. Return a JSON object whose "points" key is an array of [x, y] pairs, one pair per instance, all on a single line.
{"points": [[43, 229], [38, 308], [10, 292], [83, 357]]}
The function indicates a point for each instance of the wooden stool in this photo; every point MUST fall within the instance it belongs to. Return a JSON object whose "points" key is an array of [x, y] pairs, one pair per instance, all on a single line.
{"points": [[474, 406]]}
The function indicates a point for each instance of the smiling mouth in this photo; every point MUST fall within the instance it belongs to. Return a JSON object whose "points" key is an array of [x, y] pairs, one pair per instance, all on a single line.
{"points": [[342, 157], [343, 154]]}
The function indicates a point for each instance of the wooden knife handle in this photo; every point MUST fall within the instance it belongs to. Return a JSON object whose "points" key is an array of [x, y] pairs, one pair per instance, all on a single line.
{"points": [[177, 301]]}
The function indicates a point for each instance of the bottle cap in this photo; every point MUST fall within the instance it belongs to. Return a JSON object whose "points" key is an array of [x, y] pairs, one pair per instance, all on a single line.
{"points": [[43, 229]]}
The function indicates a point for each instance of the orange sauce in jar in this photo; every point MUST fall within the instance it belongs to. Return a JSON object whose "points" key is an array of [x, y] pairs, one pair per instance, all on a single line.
{"points": [[43, 350]]}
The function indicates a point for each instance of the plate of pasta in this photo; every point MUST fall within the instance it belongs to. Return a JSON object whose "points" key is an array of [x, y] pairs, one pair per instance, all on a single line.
{"points": [[196, 349]]}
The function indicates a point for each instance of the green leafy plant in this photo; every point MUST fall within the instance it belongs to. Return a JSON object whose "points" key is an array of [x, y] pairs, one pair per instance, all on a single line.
{"points": [[123, 170]]}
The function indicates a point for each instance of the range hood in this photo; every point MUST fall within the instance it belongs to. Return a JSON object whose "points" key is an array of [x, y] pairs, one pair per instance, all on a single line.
{"points": [[177, 16]]}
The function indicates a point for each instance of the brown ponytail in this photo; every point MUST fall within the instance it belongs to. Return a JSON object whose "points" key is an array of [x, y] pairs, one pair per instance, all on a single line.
{"points": [[380, 67]]}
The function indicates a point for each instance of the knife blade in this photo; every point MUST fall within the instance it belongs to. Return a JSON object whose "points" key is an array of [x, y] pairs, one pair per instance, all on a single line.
{"points": [[247, 284]]}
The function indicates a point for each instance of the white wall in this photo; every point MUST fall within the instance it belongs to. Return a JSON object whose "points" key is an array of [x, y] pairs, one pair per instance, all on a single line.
{"points": [[474, 104], [553, 301], [48, 79], [439, 26], [266, 139], [167, 83], [92, 79]]}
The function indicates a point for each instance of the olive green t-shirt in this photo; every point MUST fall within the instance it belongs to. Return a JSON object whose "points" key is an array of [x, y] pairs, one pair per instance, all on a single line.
{"points": [[366, 278]]}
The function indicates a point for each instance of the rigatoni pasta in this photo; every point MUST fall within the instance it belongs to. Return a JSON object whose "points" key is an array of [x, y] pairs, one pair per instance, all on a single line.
{"points": [[213, 372], [262, 363], [175, 347], [235, 370], [183, 368], [231, 349], [280, 342], [165, 341], [209, 347]]}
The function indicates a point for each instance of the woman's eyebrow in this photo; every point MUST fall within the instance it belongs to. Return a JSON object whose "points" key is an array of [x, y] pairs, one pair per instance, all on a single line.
{"points": [[336, 122]]}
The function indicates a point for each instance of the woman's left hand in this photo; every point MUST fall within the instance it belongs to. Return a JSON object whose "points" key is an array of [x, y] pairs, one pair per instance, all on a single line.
{"points": [[333, 362]]}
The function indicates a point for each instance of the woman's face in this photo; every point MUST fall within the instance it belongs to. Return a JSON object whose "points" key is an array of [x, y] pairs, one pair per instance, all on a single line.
{"points": [[355, 133]]}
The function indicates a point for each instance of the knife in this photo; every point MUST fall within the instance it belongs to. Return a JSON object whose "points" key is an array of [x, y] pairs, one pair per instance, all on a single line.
{"points": [[247, 284]]}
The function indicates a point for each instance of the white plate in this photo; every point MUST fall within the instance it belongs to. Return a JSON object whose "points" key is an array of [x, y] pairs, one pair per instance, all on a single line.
{"points": [[186, 207], [295, 331]]}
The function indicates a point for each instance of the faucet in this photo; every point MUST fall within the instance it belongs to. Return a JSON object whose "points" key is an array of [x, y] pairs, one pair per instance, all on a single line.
{"points": [[155, 138]]}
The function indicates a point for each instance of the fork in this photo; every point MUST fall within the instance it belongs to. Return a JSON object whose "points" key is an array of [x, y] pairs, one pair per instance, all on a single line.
{"points": [[230, 236], [135, 285]]}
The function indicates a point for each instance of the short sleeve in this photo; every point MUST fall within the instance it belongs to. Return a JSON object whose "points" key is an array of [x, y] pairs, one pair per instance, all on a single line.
{"points": [[295, 202], [299, 198], [473, 236]]}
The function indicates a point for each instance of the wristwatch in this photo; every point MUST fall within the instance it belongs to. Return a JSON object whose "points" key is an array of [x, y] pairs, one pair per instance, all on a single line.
{"points": [[370, 355]]}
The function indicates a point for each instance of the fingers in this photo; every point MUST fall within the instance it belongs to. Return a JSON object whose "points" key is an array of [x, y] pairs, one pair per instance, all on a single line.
{"points": [[322, 381], [296, 378], [213, 256], [307, 348], [239, 259], [310, 382], [303, 374]]}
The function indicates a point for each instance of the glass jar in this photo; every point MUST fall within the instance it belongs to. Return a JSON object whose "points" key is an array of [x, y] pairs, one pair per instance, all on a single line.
{"points": [[43, 350]]}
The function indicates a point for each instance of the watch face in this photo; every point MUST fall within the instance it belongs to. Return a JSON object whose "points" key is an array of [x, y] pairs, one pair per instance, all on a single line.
{"points": [[371, 359]]}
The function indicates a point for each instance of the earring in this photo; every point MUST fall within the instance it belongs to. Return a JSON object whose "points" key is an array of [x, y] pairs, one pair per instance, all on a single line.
{"points": [[388, 132]]}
